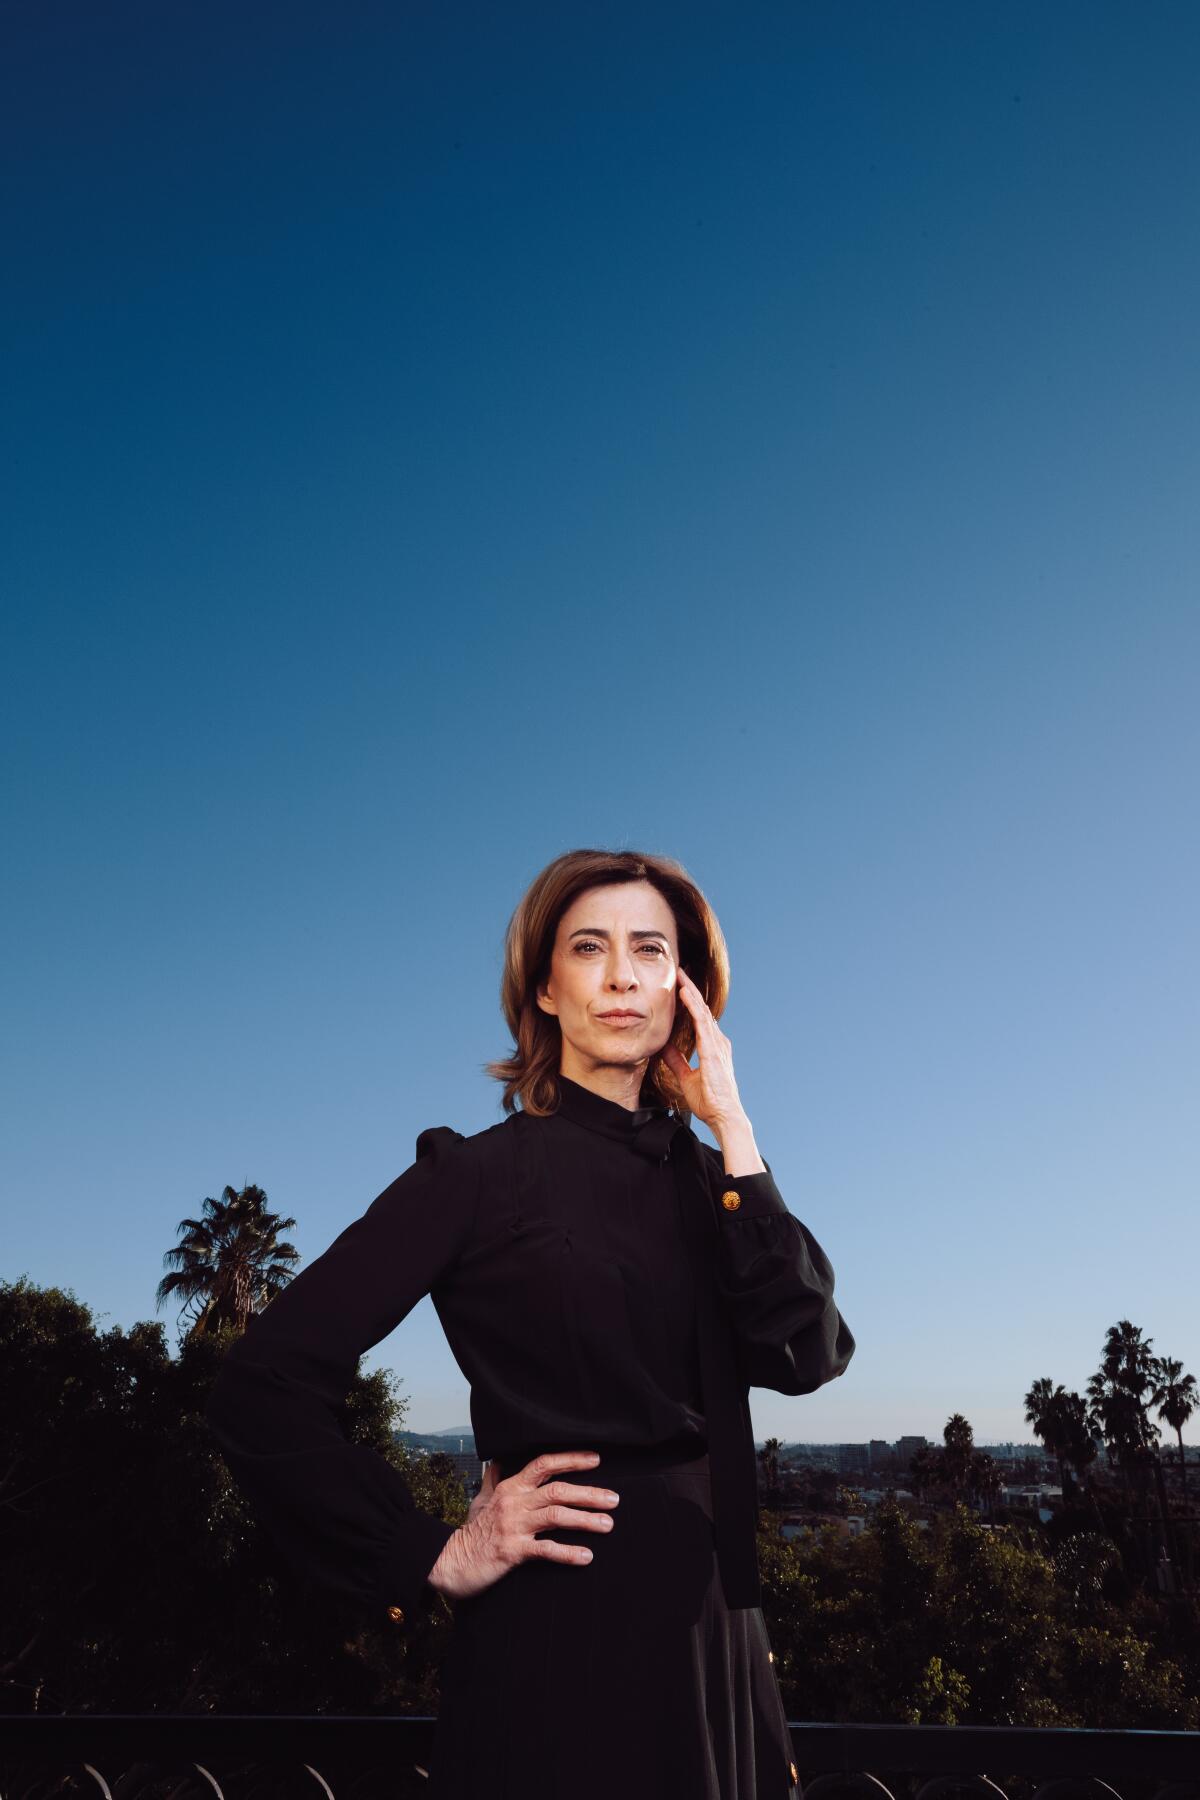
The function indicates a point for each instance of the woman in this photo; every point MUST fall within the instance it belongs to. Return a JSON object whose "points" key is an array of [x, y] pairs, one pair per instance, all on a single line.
{"points": [[611, 1287]]}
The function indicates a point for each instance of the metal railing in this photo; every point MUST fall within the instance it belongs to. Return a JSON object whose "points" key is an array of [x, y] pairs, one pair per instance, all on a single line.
{"points": [[224, 1757]]}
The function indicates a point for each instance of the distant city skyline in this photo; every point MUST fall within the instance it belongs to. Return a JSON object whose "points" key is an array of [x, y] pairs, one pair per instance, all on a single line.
{"points": [[1033, 1446], [1004, 1449]]}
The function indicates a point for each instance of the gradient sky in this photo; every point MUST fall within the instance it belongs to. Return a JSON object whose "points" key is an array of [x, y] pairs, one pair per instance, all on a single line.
{"points": [[437, 437]]}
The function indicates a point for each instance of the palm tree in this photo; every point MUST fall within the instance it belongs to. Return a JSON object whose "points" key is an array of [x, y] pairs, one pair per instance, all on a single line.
{"points": [[230, 1263], [1118, 1393], [1079, 1441], [959, 1440], [1045, 1411], [925, 1469], [983, 1478], [768, 1456], [1175, 1397], [1176, 1400]]}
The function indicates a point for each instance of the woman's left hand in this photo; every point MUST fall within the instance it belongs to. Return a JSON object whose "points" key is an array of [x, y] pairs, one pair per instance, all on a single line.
{"points": [[710, 1091]]}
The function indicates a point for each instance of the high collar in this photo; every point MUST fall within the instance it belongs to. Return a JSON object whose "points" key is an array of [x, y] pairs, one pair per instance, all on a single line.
{"points": [[649, 1129]]}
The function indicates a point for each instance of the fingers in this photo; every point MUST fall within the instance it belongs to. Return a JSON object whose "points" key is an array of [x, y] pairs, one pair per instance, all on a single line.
{"points": [[558, 1493], [550, 1551], [572, 1518], [563, 1504], [551, 1462], [564, 1511], [505, 1515], [566, 1518], [557, 1499], [690, 988], [696, 1004]]}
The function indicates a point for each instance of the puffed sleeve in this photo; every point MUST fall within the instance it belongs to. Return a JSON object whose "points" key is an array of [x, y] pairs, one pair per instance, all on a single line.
{"points": [[776, 1283], [343, 1516]]}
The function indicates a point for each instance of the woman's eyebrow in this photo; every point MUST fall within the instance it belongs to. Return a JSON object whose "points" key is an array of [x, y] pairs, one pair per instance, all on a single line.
{"points": [[599, 931]]}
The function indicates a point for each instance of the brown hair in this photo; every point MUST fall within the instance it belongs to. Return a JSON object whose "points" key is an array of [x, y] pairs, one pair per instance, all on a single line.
{"points": [[530, 1074]]}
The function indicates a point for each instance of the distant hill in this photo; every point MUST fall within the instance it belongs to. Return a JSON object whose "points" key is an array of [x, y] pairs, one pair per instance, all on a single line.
{"points": [[429, 1441]]}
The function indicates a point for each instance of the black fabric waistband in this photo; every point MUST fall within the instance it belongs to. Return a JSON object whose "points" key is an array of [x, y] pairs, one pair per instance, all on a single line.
{"points": [[617, 1459]]}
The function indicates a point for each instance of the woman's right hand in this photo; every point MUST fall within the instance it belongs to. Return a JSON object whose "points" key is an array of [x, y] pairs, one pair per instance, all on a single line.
{"points": [[504, 1515]]}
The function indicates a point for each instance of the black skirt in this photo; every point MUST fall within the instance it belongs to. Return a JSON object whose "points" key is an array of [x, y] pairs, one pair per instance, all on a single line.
{"points": [[627, 1676]]}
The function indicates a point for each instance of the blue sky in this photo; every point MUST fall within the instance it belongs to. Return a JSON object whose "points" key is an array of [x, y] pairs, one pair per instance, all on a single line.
{"points": [[439, 437]]}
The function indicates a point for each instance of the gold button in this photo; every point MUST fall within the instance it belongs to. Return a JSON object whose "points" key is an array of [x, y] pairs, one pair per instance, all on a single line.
{"points": [[731, 1199], [397, 1613]]}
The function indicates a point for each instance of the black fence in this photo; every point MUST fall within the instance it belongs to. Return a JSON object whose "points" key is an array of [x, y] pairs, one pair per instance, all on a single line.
{"points": [[159, 1757]]}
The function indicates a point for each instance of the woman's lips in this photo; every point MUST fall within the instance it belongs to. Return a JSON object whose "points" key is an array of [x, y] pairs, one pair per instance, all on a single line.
{"points": [[620, 1018]]}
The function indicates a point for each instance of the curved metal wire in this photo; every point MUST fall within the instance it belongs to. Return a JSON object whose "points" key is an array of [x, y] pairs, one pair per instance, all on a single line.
{"points": [[1076, 1787], [952, 1786]]}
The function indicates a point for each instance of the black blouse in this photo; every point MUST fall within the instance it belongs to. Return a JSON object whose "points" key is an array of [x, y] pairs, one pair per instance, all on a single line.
{"points": [[601, 1281]]}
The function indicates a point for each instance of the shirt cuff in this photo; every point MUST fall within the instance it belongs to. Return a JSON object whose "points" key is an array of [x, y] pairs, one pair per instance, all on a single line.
{"points": [[419, 1542], [748, 1196]]}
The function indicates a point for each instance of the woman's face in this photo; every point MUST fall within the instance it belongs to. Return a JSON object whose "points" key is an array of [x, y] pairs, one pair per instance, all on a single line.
{"points": [[615, 950]]}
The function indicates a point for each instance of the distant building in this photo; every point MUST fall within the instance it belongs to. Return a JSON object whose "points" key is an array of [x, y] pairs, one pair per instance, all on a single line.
{"points": [[457, 1449], [1032, 1494], [907, 1447], [469, 1468]]}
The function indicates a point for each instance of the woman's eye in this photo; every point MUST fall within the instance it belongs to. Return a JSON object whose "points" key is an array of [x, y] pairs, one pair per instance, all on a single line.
{"points": [[590, 944]]}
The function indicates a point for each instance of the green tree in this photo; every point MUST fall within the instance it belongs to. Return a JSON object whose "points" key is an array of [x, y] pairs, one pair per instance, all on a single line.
{"points": [[768, 1458], [1175, 1399], [1078, 1436], [1045, 1410], [959, 1446], [963, 1624], [133, 1577], [1119, 1394], [230, 1263], [926, 1470], [984, 1478]]}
